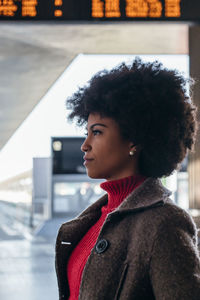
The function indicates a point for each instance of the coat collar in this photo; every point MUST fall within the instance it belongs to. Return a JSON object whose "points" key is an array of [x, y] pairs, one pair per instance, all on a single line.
{"points": [[150, 193]]}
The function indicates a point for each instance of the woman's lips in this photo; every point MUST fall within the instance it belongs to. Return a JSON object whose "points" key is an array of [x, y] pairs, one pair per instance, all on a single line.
{"points": [[87, 160]]}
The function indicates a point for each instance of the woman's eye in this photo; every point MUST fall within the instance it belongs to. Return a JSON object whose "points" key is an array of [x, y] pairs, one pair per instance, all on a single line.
{"points": [[96, 132]]}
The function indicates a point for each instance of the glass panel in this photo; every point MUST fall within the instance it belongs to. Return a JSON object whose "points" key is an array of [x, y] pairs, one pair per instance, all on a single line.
{"points": [[75, 196]]}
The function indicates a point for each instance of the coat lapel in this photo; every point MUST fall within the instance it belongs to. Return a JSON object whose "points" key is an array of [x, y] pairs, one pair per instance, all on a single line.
{"points": [[72, 231], [69, 235]]}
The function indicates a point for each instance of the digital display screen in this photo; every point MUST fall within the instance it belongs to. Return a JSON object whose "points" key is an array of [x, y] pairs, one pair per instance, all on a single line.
{"points": [[136, 10], [67, 155]]}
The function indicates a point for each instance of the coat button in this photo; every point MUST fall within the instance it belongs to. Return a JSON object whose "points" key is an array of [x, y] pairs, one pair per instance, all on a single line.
{"points": [[101, 246]]}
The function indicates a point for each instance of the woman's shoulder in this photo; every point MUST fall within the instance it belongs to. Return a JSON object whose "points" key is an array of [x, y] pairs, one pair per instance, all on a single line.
{"points": [[171, 217]]}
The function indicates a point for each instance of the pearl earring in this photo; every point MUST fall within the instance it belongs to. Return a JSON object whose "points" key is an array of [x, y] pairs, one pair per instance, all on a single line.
{"points": [[132, 152]]}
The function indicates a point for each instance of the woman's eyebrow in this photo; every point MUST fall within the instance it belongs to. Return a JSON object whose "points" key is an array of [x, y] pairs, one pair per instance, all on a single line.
{"points": [[99, 124]]}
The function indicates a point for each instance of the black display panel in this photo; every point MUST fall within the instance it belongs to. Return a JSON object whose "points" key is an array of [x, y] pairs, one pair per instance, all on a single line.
{"points": [[67, 156], [105, 10]]}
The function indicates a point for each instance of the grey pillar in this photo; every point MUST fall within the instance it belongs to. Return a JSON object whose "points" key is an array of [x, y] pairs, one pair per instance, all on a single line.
{"points": [[194, 158]]}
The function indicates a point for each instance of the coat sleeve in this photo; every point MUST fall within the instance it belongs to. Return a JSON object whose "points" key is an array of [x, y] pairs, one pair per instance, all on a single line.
{"points": [[175, 262]]}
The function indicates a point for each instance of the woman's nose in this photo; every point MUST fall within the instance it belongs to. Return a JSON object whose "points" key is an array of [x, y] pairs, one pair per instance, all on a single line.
{"points": [[85, 146]]}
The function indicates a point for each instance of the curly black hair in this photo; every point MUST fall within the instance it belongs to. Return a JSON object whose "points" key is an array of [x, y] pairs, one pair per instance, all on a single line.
{"points": [[152, 108]]}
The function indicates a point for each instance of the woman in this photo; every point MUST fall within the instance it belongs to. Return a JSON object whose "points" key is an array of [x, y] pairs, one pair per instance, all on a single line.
{"points": [[134, 243]]}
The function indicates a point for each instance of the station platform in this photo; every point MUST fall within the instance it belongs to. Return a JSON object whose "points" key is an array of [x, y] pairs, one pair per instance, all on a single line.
{"points": [[27, 262], [27, 269]]}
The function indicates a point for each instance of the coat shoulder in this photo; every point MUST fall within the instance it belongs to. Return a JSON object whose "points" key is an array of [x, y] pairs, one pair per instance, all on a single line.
{"points": [[171, 216]]}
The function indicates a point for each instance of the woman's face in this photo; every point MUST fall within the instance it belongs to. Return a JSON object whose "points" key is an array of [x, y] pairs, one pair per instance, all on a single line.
{"points": [[106, 152]]}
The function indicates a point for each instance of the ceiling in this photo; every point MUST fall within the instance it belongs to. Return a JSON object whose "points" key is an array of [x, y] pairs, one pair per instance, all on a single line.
{"points": [[34, 54]]}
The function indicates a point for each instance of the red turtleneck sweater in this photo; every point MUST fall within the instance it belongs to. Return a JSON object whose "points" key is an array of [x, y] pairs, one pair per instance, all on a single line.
{"points": [[117, 191]]}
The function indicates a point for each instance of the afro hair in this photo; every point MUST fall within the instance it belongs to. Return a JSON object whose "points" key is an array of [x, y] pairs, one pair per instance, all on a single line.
{"points": [[151, 106]]}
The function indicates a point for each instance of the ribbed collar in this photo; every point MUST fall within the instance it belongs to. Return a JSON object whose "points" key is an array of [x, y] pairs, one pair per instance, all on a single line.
{"points": [[119, 189]]}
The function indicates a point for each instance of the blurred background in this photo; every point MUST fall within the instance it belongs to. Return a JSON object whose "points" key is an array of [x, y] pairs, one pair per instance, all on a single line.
{"points": [[47, 50]]}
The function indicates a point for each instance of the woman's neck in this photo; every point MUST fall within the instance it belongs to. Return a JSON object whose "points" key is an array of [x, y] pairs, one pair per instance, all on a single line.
{"points": [[119, 189]]}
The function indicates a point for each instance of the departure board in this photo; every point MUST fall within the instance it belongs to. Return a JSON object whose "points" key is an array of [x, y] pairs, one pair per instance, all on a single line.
{"points": [[105, 10]]}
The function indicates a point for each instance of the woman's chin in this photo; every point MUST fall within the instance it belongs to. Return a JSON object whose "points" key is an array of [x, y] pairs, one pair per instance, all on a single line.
{"points": [[94, 175]]}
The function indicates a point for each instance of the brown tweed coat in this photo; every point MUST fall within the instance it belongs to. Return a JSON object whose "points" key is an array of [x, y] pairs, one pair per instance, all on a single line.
{"points": [[147, 249]]}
